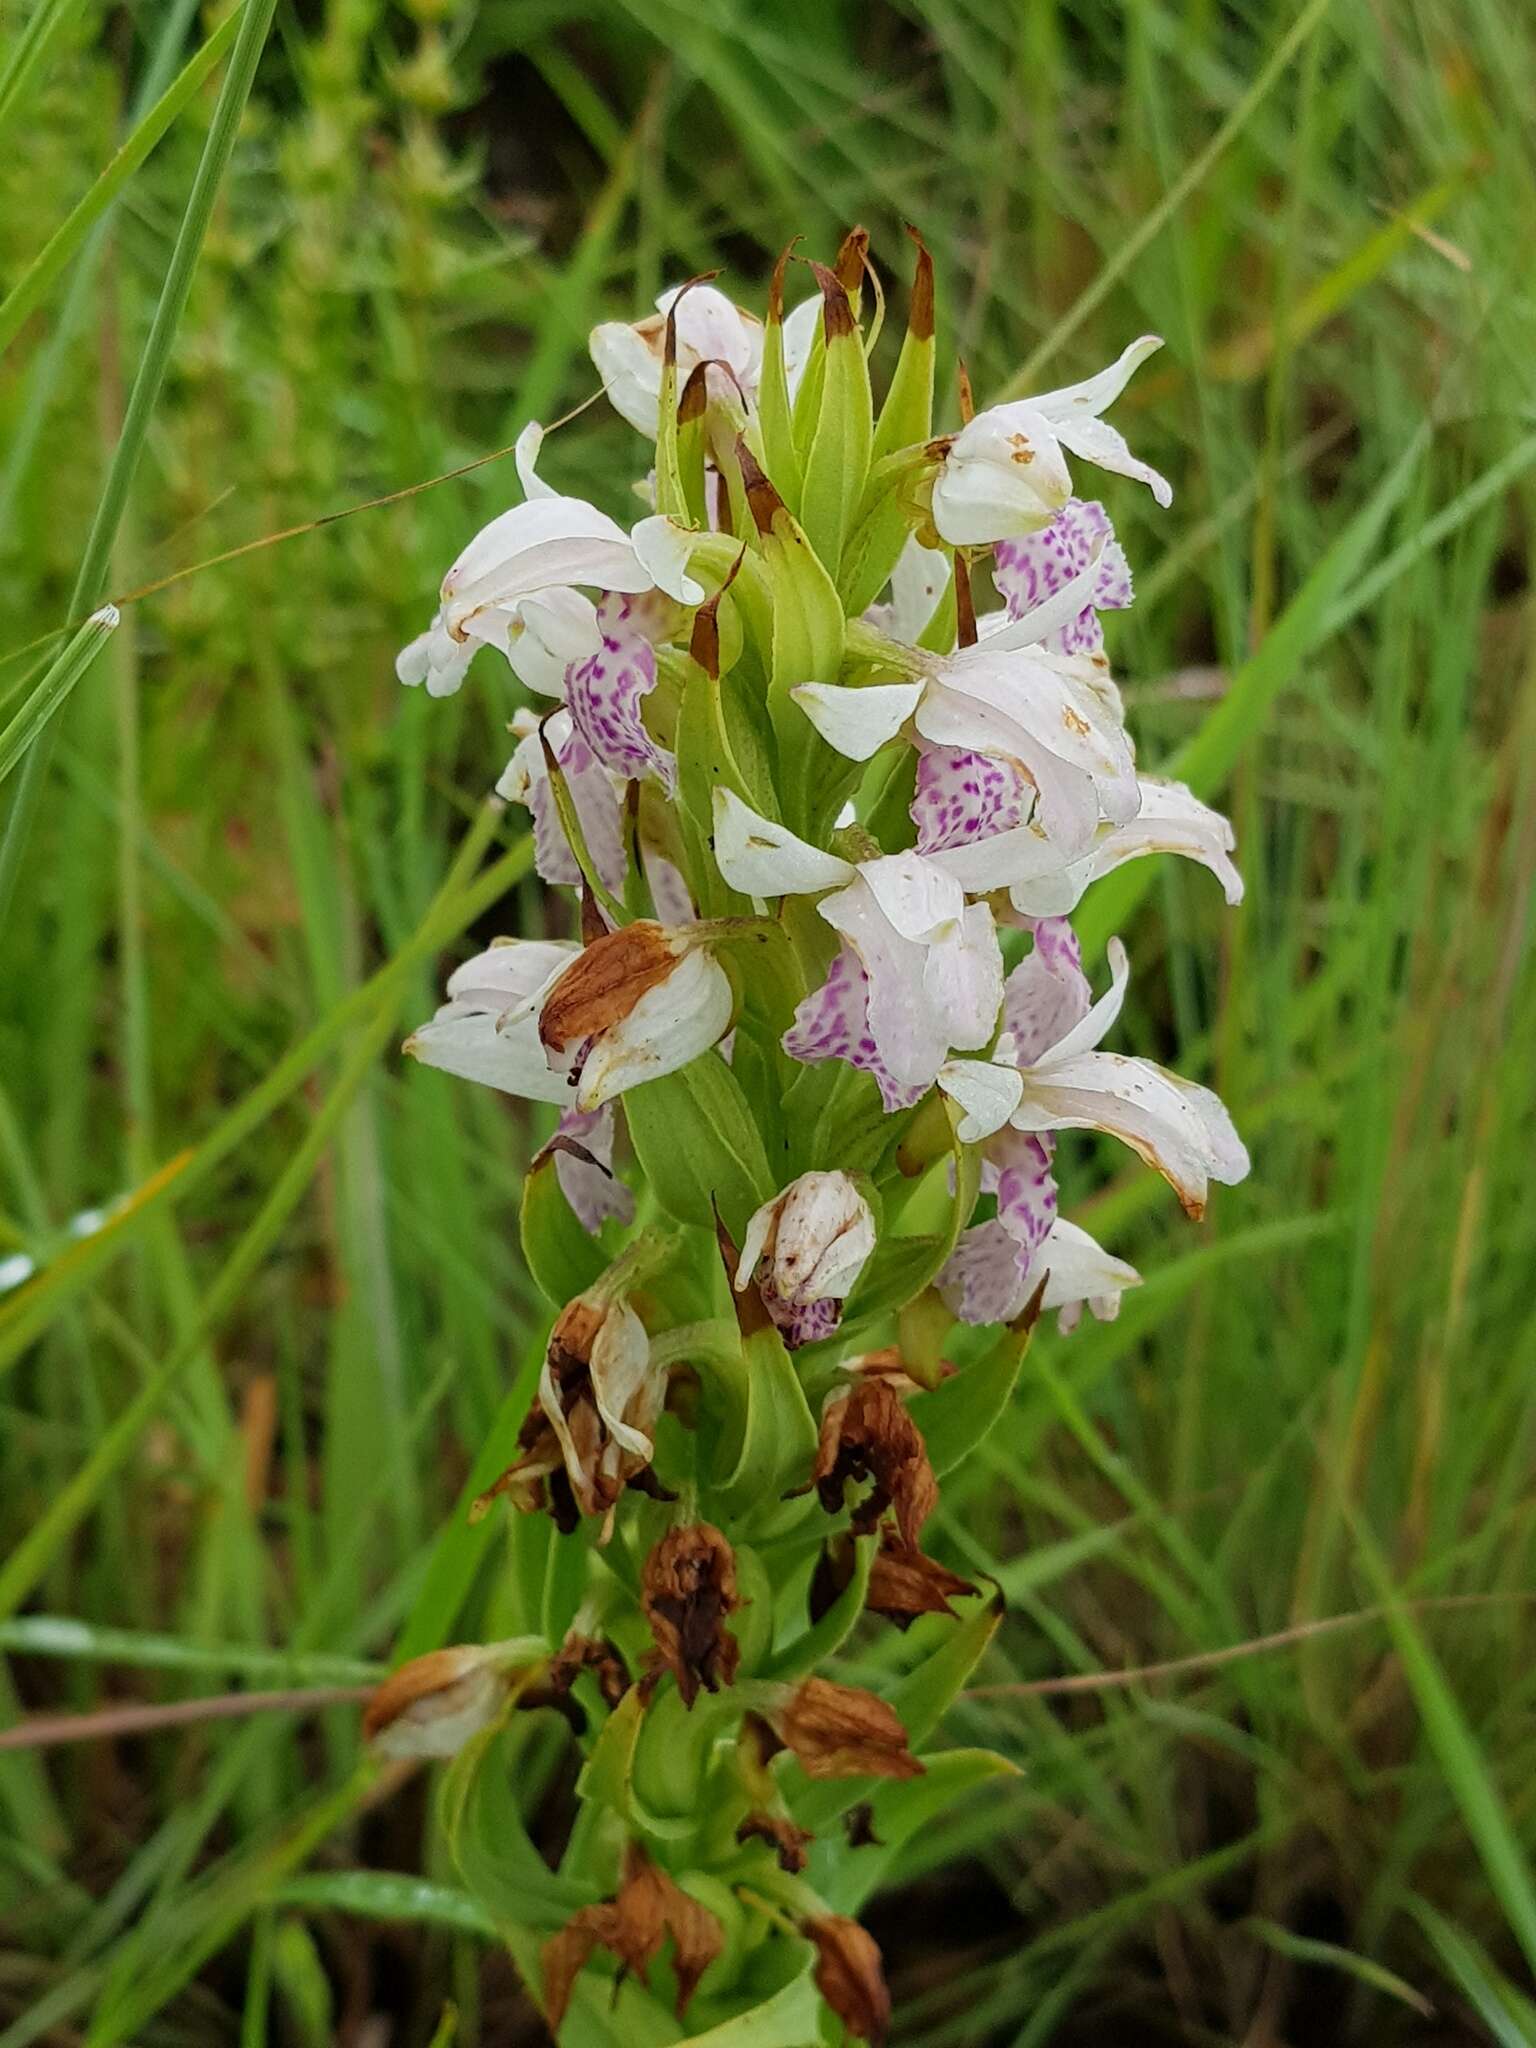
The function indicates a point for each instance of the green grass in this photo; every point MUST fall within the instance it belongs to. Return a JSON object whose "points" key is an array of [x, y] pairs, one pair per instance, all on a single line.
{"points": [[235, 1421]]}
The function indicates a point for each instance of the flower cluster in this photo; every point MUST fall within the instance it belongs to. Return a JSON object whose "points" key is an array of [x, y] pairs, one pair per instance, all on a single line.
{"points": [[827, 819]]}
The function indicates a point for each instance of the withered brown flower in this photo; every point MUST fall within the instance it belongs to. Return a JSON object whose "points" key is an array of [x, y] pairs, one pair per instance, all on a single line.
{"points": [[688, 1591], [633, 1005], [597, 1654], [903, 1583], [788, 1841], [866, 1433], [588, 1433], [850, 1976], [633, 1925], [840, 1731], [435, 1703]]}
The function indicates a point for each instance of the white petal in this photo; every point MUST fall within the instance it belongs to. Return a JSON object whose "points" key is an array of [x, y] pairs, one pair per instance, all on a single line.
{"points": [[510, 973], [755, 1242], [963, 979], [534, 547], [465, 1042], [550, 631], [1023, 854], [1094, 1028], [1096, 441], [799, 339], [987, 1095], [918, 581], [1059, 609], [858, 723], [663, 548], [525, 454], [621, 1360], [1177, 1127], [1004, 474], [631, 372], [1080, 1269], [1171, 820], [1094, 394], [670, 1025], [916, 897], [760, 858]]}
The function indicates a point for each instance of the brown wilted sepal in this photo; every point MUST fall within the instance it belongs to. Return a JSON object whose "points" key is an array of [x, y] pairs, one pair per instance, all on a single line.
{"points": [[836, 312], [868, 1434], [852, 254], [434, 1704], [689, 1591], [763, 501], [920, 311], [841, 1731], [633, 1926], [788, 1842], [850, 1976], [605, 981], [903, 1583]]}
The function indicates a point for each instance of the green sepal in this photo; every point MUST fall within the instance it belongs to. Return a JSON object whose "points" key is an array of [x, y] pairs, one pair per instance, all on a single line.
{"points": [[901, 1267], [672, 1754], [899, 1810], [714, 751], [605, 1776], [698, 1144], [957, 1414], [888, 510], [779, 2015], [557, 1249], [920, 1701], [767, 1439], [907, 414], [775, 414], [837, 461], [806, 1652], [488, 1841], [693, 447]]}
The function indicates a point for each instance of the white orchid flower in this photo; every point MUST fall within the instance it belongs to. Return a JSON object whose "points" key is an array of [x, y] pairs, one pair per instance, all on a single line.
{"points": [[1041, 882], [984, 1283], [806, 1249], [1005, 472], [506, 982], [1047, 1075], [919, 971], [710, 329], [517, 585], [633, 1005]]}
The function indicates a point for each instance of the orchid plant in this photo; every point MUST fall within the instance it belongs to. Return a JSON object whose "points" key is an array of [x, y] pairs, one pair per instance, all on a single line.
{"points": [[826, 816]]}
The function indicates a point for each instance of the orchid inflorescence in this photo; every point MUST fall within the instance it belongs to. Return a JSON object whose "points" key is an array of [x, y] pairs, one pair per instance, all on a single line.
{"points": [[827, 821]]}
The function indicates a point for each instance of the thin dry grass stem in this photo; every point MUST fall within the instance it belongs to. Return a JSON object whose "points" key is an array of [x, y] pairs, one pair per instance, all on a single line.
{"points": [[1233, 1653], [47, 1731]]}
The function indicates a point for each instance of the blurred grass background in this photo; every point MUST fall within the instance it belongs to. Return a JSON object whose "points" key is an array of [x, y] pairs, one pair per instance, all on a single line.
{"points": [[275, 1304]]}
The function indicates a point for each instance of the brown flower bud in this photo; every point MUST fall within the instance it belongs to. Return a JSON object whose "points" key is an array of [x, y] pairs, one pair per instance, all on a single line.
{"points": [[850, 1977], [866, 1433], [605, 981], [597, 1654], [434, 1704], [688, 1590], [788, 1842], [903, 1583], [633, 1005], [840, 1731], [648, 1909]]}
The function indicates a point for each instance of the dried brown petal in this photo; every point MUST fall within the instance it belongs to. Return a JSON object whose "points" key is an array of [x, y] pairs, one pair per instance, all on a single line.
{"points": [[688, 1591], [850, 1977], [859, 1827], [840, 1731], [605, 981], [903, 1583], [920, 310], [868, 1434], [597, 1654], [763, 501], [851, 256], [633, 1926], [434, 1704], [787, 1841]]}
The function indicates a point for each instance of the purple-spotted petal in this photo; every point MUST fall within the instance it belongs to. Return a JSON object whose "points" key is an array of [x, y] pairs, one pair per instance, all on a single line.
{"points": [[1018, 1169], [605, 693], [593, 792], [1047, 993], [1030, 569], [984, 1280], [591, 1186], [964, 796], [833, 1024], [803, 1324]]}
